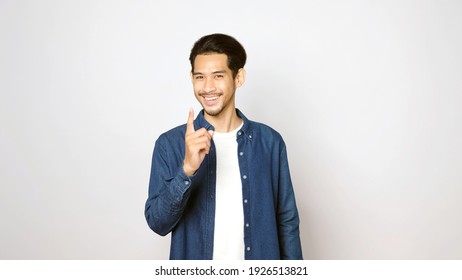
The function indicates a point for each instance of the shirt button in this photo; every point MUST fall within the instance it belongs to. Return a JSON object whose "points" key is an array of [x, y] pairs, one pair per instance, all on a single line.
{"points": [[239, 133], [247, 225], [245, 201], [186, 183], [241, 154], [245, 177], [248, 249], [250, 136]]}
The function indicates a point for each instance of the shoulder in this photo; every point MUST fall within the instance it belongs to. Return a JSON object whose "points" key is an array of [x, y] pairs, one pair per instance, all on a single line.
{"points": [[265, 132], [251, 126], [264, 128], [173, 135]]}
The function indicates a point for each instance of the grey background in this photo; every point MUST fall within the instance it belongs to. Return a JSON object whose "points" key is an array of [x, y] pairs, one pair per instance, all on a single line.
{"points": [[367, 95]]}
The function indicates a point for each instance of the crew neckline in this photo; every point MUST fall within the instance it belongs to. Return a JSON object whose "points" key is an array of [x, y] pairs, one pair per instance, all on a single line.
{"points": [[226, 135]]}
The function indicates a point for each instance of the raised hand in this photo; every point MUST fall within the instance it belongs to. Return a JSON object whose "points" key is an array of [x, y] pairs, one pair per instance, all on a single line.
{"points": [[197, 145]]}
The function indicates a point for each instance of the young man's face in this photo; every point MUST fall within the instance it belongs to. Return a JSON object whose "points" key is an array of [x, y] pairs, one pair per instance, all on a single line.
{"points": [[214, 85]]}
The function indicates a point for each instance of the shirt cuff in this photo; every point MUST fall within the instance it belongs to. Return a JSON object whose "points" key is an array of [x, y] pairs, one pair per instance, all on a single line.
{"points": [[183, 182]]}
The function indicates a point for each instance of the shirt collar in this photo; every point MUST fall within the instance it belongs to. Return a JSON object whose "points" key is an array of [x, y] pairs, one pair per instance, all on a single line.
{"points": [[200, 122]]}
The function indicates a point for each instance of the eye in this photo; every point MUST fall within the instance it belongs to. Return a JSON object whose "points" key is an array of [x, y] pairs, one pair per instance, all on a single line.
{"points": [[198, 77], [219, 76]]}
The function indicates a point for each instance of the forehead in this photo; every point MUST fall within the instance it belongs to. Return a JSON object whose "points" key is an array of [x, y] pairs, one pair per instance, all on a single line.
{"points": [[211, 62]]}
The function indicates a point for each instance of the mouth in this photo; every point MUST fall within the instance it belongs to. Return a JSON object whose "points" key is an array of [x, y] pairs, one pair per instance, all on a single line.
{"points": [[210, 100]]}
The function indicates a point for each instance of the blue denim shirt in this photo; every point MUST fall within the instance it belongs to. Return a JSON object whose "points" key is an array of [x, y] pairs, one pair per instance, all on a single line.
{"points": [[185, 206]]}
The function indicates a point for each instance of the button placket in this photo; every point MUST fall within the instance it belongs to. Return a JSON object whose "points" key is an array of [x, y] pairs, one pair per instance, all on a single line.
{"points": [[243, 152]]}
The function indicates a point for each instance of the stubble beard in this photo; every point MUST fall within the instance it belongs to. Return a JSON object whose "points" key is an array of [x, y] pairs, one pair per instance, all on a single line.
{"points": [[218, 108], [213, 112]]}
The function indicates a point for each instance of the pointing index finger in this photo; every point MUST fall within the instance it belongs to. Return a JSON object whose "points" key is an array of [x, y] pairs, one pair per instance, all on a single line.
{"points": [[190, 123]]}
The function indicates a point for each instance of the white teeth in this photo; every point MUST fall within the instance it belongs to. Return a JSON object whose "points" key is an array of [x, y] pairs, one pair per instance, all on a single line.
{"points": [[211, 98]]}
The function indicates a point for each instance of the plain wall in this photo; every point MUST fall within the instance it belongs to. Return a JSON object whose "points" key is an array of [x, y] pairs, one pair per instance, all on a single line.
{"points": [[367, 95]]}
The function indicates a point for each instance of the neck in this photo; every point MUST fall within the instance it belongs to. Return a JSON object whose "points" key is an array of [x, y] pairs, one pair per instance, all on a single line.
{"points": [[225, 121]]}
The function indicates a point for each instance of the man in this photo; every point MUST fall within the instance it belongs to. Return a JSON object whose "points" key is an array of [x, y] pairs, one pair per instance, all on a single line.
{"points": [[221, 183]]}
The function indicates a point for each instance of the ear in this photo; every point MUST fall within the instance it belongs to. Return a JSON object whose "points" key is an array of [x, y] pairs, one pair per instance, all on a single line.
{"points": [[240, 78]]}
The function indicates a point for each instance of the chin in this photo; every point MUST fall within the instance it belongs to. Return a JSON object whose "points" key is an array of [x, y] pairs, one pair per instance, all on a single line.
{"points": [[213, 112]]}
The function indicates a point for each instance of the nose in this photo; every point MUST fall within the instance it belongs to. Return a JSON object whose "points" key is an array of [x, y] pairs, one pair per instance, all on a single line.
{"points": [[209, 85]]}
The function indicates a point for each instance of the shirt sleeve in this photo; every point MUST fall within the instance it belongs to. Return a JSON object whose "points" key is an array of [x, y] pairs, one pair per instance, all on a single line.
{"points": [[168, 191], [287, 214]]}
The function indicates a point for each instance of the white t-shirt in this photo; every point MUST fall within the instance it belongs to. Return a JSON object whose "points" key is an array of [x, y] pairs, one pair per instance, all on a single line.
{"points": [[228, 243]]}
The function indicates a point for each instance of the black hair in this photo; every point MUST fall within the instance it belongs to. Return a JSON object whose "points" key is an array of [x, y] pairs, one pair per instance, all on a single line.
{"points": [[222, 44]]}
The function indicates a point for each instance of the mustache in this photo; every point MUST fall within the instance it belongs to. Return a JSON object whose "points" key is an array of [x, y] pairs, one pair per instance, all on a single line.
{"points": [[210, 94]]}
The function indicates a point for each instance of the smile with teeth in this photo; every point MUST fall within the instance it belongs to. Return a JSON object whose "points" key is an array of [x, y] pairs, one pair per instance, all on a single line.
{"points": [[211, 98]]}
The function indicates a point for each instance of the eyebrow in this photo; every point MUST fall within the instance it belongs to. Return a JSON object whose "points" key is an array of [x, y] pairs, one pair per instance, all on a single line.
{"points": [[214, 72]]}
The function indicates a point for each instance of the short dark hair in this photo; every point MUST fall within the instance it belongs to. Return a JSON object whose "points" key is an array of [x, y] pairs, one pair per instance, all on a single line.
{"points": [[222, 44]]}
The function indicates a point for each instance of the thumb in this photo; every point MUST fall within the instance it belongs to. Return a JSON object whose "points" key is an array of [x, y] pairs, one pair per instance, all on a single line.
{"points": [[190, 123]]}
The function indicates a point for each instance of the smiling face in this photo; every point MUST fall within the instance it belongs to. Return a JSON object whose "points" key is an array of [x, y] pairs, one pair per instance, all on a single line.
{"points": [[213, 83]]}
